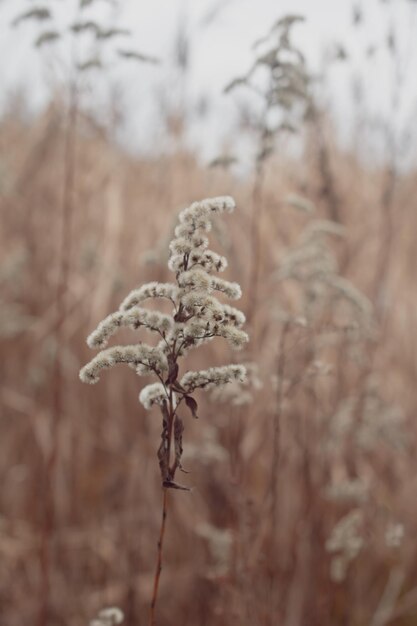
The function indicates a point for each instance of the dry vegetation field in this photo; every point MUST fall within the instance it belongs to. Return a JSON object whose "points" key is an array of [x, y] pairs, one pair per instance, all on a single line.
{"points": [[303, 503]]}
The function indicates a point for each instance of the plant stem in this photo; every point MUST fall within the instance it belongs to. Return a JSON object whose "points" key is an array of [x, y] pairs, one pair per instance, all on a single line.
{"points": [[276, 437], [152, 620], [57, 403]]}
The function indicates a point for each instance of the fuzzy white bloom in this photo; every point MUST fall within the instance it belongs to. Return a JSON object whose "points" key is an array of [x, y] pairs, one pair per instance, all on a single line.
{"points": [[231, 290], [235, 336], [194, 279], [197, 317], [348, 491], [199, 302], [199, 221], [203, 209], [318, 228], [338, 568], [380, 421], [152, 394], [208, 260], [204, 329], [302, 204], [144, 358], [220, 204], [233, 316], [209, 449], [184, 245], [176, 263], [307, 262], [239, 393], [212, 377], [220, 541], [132, 318], [150, 290], [346, 290], [313, 264], [111, 616], [346, 543], [345, 535], [192, 232], [186, 230], [196, 216], [394, 535]]}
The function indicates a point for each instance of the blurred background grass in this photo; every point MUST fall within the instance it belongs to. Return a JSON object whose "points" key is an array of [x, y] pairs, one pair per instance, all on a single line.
{"points": [[83, 221]]}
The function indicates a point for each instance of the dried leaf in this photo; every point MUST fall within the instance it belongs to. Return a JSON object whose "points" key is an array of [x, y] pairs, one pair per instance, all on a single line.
{"points": [[90, 65], [47, 37], [192, 405], [41, 14], [237, 82], [80, 27], [137, 56], [223, 161], [112, 32], [170, 484], [288, 21]]}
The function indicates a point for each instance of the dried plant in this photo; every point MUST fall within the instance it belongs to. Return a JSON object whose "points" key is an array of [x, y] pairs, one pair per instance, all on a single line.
{"points": [[197, 317], [345, 543], [76, 86], [304, 511], [280, 80], [112, 616], [101, 43], [333, 312]]}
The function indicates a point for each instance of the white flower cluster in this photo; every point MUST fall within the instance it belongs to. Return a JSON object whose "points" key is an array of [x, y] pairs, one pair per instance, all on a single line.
{"points": [[152, 394], [143, 358], [314, 266], [108, 617], [279, 76], [345, 543], [220, 541], [239, 393], [348, 491], [200, 315], [133, 318], [394, 535], [147, 291], [302, 204], [380, 421], [212, 377], [197, 316]]}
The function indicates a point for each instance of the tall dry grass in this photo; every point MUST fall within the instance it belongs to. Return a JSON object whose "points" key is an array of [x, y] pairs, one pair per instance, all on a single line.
{"points": [[248, 545]]}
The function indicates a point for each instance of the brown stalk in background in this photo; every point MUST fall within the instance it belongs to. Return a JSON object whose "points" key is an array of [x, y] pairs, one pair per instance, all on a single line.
{"points": [[57, 377], [285, 89]]}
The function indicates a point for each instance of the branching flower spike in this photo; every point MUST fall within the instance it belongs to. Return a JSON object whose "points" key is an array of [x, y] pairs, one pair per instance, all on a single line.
{"points": [[197, 317]]}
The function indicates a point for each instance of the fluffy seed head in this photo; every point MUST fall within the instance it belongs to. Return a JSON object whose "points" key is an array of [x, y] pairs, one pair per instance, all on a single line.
{"points": [[150, 290], [152, 394], [142, 357], [213, 377]]}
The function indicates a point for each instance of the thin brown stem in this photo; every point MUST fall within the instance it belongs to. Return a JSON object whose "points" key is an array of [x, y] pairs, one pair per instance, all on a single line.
{"points": [[276, 440], [57, 385], [257, 211], [152, 619]]}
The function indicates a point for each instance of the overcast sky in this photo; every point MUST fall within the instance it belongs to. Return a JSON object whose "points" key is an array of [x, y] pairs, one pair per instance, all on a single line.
{"points": [[221, 33]]}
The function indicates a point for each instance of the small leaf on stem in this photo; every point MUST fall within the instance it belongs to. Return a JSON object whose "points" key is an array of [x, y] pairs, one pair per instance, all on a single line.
{"points": [[192, 405]]}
